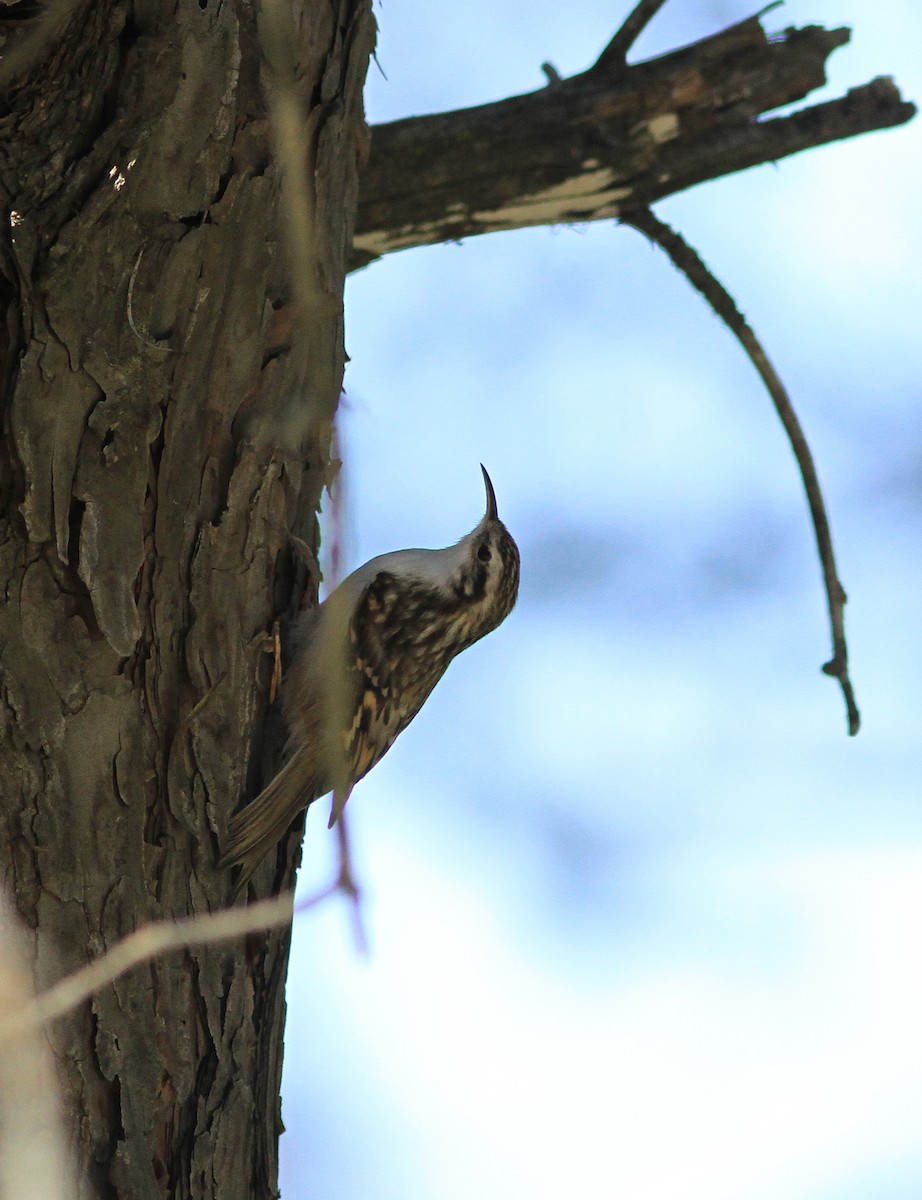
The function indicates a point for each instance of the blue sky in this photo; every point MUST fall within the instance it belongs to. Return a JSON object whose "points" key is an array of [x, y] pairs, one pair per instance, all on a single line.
{"points": [[644, 921]]}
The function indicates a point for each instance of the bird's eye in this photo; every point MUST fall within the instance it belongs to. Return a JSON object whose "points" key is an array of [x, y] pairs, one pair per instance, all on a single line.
{"points": [[483, 553]]}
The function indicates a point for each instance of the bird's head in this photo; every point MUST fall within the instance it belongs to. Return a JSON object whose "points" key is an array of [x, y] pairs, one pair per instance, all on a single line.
{"points": [[437, 601], [485, 581]]}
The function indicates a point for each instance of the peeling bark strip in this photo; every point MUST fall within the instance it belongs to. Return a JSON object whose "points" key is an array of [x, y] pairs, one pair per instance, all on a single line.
{"points": [[165, 414], [608, 140]]}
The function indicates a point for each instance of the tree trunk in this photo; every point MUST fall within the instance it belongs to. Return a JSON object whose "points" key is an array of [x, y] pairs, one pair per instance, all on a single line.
{"points": [[166, 410]]}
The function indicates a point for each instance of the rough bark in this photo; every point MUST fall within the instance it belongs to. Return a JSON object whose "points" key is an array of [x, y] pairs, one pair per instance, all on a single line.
{"points": [[161, 442], [609, 140]]}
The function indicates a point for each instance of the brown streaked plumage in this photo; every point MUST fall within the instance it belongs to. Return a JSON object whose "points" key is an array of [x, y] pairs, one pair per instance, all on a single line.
{"points": [[363, 665]]}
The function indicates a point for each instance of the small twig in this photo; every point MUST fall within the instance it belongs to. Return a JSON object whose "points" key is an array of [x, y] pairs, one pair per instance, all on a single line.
{"points": [[687, 260], [768, 8], [615, 53], [146, 943], [345, 882], [377, 62]]}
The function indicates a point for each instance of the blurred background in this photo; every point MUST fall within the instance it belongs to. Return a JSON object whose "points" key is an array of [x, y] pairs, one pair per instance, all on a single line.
{"points": [[644, 921]]}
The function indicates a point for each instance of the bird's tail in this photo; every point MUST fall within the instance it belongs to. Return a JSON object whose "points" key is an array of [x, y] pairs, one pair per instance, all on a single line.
{"points": [[252, 832]]}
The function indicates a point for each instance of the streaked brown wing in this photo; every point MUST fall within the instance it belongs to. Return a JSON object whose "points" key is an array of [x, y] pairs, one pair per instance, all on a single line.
{"points": [[375, 644]]}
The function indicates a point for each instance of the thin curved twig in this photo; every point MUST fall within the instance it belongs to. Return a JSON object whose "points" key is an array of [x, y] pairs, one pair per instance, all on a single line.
{"points": [[689, 262]]}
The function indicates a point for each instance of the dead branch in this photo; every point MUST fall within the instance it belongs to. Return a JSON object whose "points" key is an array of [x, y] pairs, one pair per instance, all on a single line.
{"points": [[612, 139], [689, 262]]}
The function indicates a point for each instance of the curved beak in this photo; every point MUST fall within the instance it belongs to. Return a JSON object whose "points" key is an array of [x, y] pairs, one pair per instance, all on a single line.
{"points": [[491, 496]]}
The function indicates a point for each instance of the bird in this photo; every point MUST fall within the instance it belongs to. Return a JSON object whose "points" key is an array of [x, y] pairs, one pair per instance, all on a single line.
{"points": [[363, 664]]}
